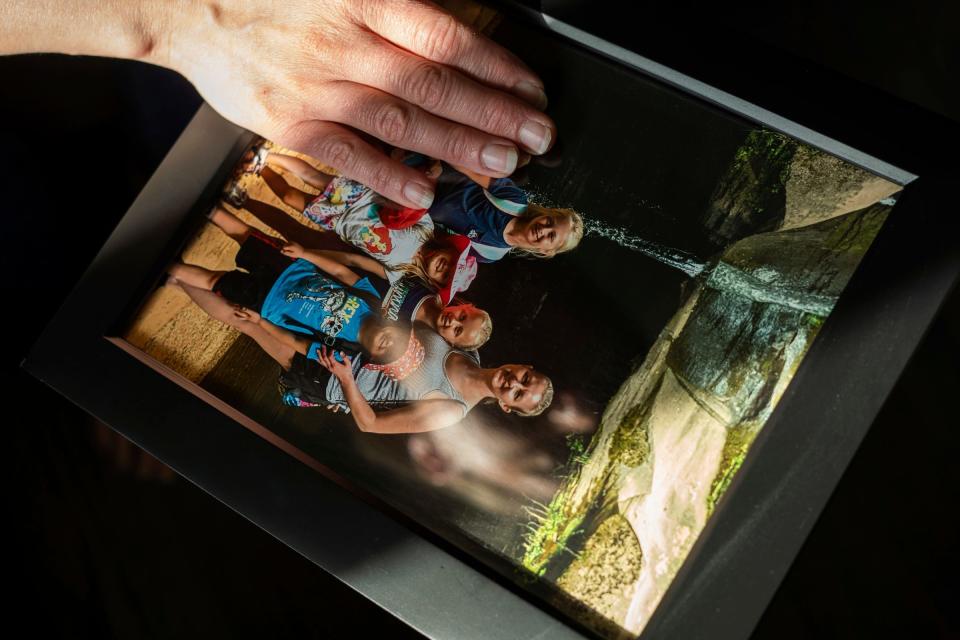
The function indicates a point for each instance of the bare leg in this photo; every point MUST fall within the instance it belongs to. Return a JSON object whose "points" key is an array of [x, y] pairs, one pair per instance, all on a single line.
{"points": [[301, 169], [195, 276], [230, 224], [294, 231], [291, 196], [222, 310]]}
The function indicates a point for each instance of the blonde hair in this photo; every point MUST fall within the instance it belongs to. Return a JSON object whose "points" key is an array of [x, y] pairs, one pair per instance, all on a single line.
{"points": [[486, 330], [573, 238], [417, 268], [545, 401]]}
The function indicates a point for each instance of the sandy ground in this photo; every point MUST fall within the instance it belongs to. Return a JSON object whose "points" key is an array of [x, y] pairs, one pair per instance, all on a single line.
{"points": [[170, 327]]}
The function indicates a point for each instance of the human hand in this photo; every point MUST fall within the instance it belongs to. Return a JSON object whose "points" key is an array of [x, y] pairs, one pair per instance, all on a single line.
{"points": [[308, 73], [246, 314], [342, 370], [293, 250]]}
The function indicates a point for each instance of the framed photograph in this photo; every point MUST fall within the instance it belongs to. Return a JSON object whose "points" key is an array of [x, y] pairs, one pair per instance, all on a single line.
{"points": [[605, 397]]}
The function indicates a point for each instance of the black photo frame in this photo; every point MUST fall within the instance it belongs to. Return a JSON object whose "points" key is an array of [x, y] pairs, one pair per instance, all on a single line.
{"points": [[750, 541]]}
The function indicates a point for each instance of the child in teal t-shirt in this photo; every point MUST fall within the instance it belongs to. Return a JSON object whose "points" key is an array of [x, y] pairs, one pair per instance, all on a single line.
{"points": [[314, 301]]}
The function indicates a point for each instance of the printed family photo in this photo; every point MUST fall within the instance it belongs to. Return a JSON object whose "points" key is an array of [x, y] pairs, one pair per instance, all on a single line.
{"points": [[565, 367]]}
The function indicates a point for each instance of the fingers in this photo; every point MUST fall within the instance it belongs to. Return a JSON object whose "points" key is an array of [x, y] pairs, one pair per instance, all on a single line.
{"points": [[324, 359], [402, 124], [345, 151], [430, 32], [449, 94]]}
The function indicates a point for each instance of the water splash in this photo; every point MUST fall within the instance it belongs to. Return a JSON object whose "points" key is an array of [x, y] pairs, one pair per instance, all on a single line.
{"points": [[760, 287], [686, 262]]}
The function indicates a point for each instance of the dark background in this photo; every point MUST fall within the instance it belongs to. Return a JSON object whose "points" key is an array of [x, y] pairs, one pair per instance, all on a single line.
{"points": [[105, 545]]}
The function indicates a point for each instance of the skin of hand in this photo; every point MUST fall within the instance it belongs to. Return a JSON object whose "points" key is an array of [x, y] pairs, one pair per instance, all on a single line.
{"points": [[342, 370], [246, 314], [293, 250], [425, 415], [316, 75]]}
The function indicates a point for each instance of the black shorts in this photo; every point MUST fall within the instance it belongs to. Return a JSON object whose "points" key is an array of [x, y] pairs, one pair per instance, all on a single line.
{"points": [[260, 256], [308, 378]]}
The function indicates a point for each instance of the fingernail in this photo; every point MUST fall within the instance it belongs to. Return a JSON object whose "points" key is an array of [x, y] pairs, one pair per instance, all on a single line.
{"points": [[499, 157], [532, 94], [535, 137], [419, 194]]}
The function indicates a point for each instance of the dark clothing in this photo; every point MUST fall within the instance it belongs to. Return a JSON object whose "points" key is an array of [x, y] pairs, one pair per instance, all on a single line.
{"points": [[463, 207], [260, 255], [298, 296], [304, 384]]}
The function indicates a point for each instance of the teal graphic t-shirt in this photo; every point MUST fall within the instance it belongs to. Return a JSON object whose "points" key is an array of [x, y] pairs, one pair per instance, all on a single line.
{"points": [[307, 301]]}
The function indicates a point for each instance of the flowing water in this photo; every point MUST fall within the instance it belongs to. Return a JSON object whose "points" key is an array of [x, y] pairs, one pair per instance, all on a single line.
{"points": [[676, 258], [758, 286]]}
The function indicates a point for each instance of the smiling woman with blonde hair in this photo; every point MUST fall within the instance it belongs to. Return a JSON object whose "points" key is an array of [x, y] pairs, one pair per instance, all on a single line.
{"points": [[446, 385], [498, 218]]}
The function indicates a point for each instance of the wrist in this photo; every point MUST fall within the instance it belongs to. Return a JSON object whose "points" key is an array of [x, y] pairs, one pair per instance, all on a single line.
{"points": [[174, 25], [110, 28], [200, 39]]}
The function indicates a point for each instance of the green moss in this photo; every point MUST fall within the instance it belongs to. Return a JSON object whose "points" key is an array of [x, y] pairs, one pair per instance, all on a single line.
{"points": [[552, 525], [735, 449], [767, 153], [813, 321], [630, 444], [855, 232]]}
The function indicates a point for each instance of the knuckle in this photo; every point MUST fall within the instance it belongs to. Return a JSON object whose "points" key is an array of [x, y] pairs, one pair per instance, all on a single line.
{"points": [[497, 117], [380, 178], [338, 151], [428, 85], [393, 120], [439, 37], [458, 146]]}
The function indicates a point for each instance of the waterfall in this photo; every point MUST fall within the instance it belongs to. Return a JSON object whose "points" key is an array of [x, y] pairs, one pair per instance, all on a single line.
{"points": [[686, 262], [725, 277], [719, 275]]}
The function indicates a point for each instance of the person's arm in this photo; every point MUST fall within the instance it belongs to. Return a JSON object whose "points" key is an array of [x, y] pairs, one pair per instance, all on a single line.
{"points": [[312, 74], [353, 261], [416, 417], [323, 261]]}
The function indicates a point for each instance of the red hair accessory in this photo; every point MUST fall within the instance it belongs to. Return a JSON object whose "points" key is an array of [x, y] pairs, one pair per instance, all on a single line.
{"points": [[465, 267], [400, 218], [406, 364]]}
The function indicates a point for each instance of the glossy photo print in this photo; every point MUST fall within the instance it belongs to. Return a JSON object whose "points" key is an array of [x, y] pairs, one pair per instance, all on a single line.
{"points": [[561, 371]]}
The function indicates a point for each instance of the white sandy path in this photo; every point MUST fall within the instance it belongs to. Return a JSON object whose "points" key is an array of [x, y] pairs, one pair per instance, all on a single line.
{"points": [[665, 500]]}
